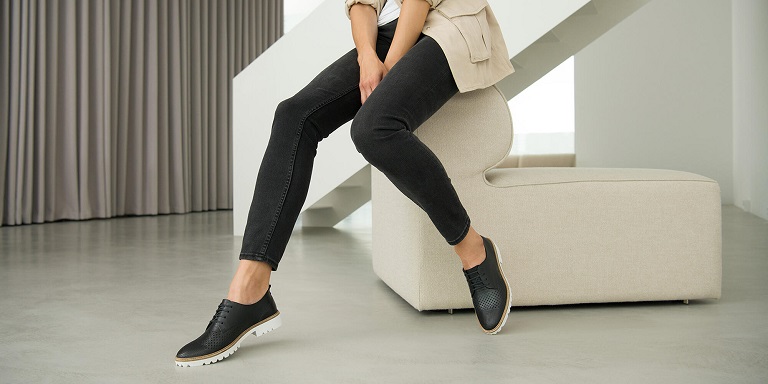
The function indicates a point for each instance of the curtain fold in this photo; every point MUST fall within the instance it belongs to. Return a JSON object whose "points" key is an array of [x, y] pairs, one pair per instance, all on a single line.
{"points": [[122, 107]]}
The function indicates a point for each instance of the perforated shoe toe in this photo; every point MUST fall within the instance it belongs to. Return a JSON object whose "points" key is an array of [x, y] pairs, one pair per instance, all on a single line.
{"points": [[490, 290]]}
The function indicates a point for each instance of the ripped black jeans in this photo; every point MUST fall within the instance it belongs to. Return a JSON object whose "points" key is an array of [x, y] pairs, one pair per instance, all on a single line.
{"points": [[382, 131]]}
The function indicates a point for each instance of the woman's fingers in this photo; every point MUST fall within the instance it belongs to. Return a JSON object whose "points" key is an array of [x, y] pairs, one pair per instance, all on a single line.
{"points": [[366, 90], [372, 70]]}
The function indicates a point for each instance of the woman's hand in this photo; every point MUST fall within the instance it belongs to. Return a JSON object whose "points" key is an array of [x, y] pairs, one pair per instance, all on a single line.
{"points": [[364, 32], [372, 70]]}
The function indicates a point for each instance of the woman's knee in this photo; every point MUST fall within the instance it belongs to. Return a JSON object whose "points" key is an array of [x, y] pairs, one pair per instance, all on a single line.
{"points": [[291, 115], [290, 108], [374, 132], [364, 135]]}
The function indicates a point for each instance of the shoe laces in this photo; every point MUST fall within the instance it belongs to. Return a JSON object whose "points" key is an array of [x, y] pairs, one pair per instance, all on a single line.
{"points": [[475, 278], [220, 314]]}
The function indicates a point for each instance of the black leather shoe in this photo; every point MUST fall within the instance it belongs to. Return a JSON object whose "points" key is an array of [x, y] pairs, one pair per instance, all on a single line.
{"points": [[490, 290], [229, 326]]}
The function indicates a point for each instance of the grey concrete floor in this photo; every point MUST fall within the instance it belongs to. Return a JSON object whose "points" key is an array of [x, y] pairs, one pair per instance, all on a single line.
{"points": [[111, 301]]}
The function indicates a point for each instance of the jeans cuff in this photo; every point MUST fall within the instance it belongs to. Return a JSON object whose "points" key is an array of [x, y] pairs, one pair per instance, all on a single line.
{"points": [[254, 257], [463, 234]]}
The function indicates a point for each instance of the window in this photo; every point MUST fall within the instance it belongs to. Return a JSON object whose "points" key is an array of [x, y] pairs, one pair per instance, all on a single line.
{"points": [[543, 114]]}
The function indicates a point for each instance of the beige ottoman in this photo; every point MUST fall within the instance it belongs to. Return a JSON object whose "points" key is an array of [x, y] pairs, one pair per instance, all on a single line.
{"points": [[566, 235]]}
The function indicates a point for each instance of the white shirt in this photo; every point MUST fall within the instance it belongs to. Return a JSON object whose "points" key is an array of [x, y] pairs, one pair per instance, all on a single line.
{"points": [[389, 12]]}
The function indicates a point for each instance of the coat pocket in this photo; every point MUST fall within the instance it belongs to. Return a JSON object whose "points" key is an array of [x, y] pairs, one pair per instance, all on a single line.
{"points": [[470, 19]]}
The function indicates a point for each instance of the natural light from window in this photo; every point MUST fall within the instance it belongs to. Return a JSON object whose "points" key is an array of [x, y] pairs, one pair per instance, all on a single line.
{"points": [[543, 114]]}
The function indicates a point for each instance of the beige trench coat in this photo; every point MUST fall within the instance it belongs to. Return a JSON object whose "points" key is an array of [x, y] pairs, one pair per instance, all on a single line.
{"points": [[470, 37]]}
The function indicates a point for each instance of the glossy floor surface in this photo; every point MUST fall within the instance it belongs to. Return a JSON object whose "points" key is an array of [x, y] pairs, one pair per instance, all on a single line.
{"points": [[111, 301]]}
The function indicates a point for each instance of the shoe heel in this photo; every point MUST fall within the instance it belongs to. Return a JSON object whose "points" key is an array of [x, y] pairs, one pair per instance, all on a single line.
{"points": [[498, 254], [268, 326]]}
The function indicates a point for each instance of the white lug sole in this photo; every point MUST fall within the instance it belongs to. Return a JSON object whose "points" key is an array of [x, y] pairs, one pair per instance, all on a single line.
{"points": [[259, 329], [509, 292]]}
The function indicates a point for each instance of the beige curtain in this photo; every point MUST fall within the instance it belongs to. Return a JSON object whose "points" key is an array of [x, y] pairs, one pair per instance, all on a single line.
{"points": [[122, 107]]}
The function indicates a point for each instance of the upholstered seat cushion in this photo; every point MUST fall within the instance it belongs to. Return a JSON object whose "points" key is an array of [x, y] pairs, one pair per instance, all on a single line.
{"points": [[506, 177]]}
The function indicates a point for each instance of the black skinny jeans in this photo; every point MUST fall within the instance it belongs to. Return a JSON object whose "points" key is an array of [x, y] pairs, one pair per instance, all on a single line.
{"points": [[382, 131]]}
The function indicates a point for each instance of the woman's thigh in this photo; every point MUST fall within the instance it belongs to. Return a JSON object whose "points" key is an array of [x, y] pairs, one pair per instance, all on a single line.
{"points": [[413, 90], [332, 98], [328, 101]]}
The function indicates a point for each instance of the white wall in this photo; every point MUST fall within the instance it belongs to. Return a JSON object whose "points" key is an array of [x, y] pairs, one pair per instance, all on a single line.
{"points": [[294, 11], [750, 105], [655, 92]]}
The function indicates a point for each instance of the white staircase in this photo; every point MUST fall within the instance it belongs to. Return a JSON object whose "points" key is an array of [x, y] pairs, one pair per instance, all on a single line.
{"points": [[558, 43], [539, 35]]}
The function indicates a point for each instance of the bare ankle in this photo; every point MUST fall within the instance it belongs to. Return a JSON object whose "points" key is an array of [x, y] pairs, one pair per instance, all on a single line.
{"points": [[471, 249], [250, 283]]}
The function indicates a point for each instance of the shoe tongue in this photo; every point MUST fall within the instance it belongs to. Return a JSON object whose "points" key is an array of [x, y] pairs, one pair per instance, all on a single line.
{"points": [[475, 268]]}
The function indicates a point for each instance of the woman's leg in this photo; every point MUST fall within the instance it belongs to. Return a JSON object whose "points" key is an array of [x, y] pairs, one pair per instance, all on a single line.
{"points": [[413, 90], [331, 99], [301, 122]]}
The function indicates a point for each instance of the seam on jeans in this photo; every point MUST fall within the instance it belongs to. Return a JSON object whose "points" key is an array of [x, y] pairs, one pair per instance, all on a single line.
{"points": [[463, 233], [293, 158], [594, 181]]}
